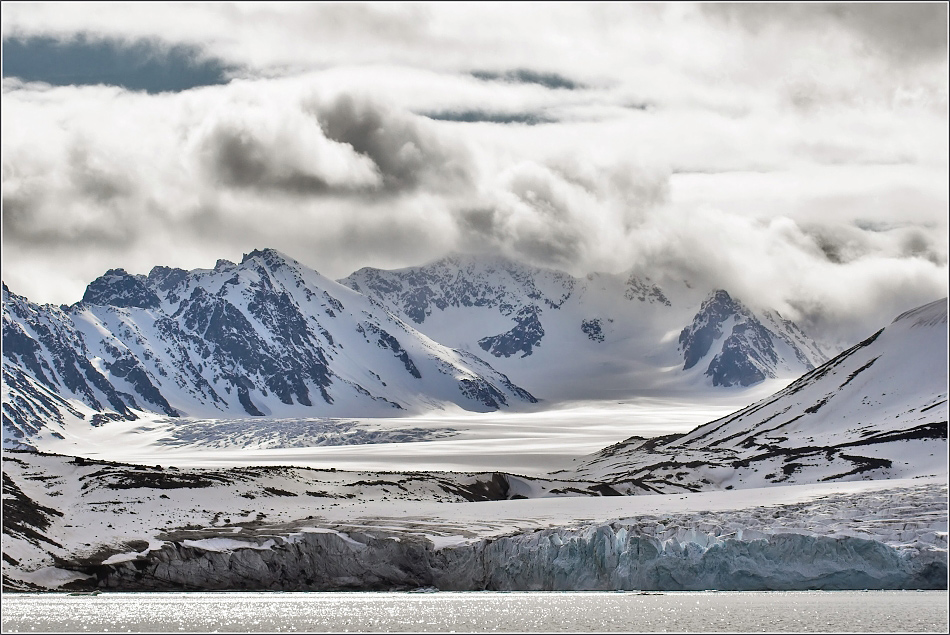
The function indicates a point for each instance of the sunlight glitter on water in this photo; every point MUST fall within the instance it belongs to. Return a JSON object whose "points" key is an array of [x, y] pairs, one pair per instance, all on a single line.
{"points": [[804, 611]]}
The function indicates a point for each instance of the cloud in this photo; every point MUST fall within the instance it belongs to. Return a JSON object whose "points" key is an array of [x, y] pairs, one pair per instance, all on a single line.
{"points": [[813, 182], [406, 152], [836, 282], [279, 148], [904, 32], [856, 55]]}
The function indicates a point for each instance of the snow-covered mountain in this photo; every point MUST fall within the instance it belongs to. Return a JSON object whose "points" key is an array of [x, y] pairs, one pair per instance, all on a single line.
{"points": [[877, 410], [266, 337], [602, 336], [749, 348]]}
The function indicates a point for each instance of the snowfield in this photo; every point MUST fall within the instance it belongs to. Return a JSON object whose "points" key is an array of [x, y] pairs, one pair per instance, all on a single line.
{"points": [[526, 442]]}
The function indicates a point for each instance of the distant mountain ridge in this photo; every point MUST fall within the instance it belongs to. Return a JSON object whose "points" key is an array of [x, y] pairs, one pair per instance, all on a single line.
{"points": [[266, 337], [528, 322]]}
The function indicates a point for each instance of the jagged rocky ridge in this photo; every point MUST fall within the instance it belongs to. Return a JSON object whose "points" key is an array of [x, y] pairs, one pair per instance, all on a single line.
{"points": [[750, 349], [266, 337]]}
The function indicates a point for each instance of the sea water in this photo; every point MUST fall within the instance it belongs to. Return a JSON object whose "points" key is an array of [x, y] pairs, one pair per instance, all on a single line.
{"points": [[445, 612]]}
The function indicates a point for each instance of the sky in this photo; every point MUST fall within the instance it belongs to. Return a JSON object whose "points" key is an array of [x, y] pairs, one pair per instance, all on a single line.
{"points": [[793, 154]]}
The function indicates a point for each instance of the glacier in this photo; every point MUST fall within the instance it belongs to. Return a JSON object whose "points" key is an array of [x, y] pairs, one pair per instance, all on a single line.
{"points": [[600, 558], [679, 553]]}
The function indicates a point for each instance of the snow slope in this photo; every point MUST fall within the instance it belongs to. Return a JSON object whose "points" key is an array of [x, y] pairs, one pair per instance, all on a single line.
{"points": [[266, 337], [877, 410], [603, 336]]}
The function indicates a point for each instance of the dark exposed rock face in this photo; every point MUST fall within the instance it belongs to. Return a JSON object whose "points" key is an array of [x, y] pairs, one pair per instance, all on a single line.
{"points": [[605, 557], [31, 409], [33, 336], [593, 329], [747, 350], [697, 338], [748, 353], [118, 288], [645, 291], [522, 338], [24, 518], [290, 355], [506, 286], [389, 342]]}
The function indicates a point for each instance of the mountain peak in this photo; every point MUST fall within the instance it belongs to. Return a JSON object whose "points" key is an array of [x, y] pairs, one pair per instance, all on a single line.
{"points": [[721, 299], [117, 287], [750, 345], [697, 338], [270, 257]]}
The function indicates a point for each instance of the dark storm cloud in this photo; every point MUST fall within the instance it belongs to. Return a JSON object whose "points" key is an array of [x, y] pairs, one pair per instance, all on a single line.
{"points": [[341, 147], [839, 244], [239, 159], [407, 154], [526, 76], [905, 32], [476, 116], [145, 65]]}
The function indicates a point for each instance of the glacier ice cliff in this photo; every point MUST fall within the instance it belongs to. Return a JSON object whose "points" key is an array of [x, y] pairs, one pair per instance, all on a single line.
{"points": [[599, 557]]}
